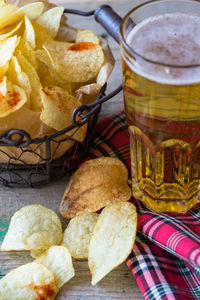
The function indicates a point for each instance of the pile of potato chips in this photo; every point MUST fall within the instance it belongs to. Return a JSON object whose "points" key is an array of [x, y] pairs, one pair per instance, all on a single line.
{"points": [[40, 72], [104, 238]]}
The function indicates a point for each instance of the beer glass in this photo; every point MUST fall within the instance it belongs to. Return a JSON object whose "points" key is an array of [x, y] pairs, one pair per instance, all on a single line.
{"points": [[162, 103]]}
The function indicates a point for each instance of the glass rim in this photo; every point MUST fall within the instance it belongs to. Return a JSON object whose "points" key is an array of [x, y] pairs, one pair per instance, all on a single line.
{"points": [[133, 53]]}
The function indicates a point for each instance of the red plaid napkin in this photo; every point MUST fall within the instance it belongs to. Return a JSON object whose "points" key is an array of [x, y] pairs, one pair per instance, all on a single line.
{"points": [[166, 256]]}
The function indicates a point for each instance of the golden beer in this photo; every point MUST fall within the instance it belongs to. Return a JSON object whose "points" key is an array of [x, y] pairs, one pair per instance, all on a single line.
{"points": [[163, 115]]}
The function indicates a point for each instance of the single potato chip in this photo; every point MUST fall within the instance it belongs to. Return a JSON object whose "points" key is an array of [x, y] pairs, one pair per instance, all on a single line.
{"points": [[41, 35], [94, 185], [78, 62], [112, 239], [12, 97], [58, 106], [32, 10], [29, 33], [84, 35], [50, 20], [28, 282], [58, 260], [7, 47], [9, 30], [35, 97], [78, 233], [33, 227], [17, 76]]}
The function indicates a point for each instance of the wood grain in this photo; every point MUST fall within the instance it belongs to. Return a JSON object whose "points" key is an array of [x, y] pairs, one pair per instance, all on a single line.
{"points": [[119, 284]]}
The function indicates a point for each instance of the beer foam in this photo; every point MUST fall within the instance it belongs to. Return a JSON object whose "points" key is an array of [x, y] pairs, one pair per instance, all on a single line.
{"points": [[172, 39]]}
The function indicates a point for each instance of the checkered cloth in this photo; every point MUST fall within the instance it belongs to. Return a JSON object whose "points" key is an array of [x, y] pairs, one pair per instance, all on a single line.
{"points": [[166, 256]]}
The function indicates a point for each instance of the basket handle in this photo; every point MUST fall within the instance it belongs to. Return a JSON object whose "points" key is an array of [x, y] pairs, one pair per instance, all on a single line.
{"points": [[110, 21]]}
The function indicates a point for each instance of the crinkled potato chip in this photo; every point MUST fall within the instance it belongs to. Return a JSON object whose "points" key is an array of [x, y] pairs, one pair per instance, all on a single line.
{"points": [[58, 260], [33, 227], [34, 79], [112, 239], [28, 282], [17, 76], [29, 33], [58, 106], [32, 10], [77, 235], [7, 47], [94, 185], [12, 97], [50, 20], [80, 62], [9, 30], [84, 35]]}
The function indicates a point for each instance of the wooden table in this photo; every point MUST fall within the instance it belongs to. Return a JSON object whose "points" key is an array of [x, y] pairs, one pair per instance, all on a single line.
{"points": [[119, 284]]}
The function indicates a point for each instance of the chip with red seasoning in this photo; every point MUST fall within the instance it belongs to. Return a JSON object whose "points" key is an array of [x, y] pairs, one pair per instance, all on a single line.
{"points": [[78, 62], [30, 281], [12, 97]]}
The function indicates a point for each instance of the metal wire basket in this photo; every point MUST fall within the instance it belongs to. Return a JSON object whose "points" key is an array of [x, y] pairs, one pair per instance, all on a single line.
{"points": [[16, 172]]}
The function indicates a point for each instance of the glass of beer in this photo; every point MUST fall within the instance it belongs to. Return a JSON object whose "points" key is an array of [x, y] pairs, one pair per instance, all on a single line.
{"points": [[160, 50]]}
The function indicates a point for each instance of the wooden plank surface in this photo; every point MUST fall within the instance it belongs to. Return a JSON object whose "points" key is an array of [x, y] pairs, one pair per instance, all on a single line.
{"points": [[119, 284]]}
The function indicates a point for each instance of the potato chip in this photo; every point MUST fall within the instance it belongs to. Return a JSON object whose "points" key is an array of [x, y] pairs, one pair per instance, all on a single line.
{"points": [[77, 235], [34, 79], [17, 76], [50, 20], [87, 36], [10, 14], [9, 30], [28, 282], [51, 81], [58, 260], [58, 46], [94, 185], [29, 33], [41, 35], [32, 10], [28, 52], [78, 63], [7, 47], [4, 69], [58, 106], [33, 227], [45, 60], [112, 239], [12, 97]]}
